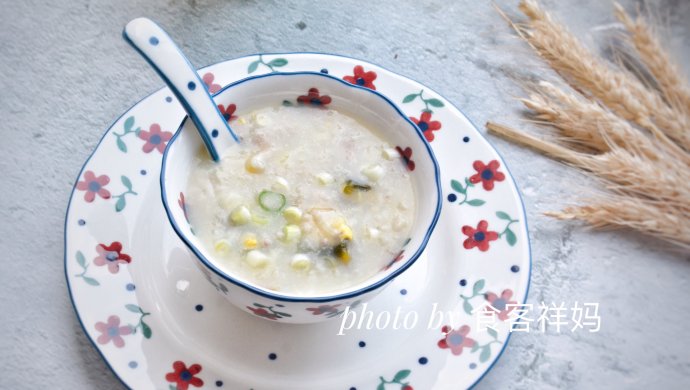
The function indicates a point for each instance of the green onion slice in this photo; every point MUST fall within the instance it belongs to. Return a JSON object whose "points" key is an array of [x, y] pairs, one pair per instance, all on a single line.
{"points": [[271, 201]]}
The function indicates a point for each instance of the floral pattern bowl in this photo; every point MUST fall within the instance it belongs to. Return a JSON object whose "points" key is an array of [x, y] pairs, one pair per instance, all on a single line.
{"points": [[318, 90]]}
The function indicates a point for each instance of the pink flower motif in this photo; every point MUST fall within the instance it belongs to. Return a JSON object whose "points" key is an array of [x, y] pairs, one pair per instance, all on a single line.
{"points": [[208, 80], [456, 340], [94, 185], [112, 256], [500, 304], [112, 331], [155, 138]]}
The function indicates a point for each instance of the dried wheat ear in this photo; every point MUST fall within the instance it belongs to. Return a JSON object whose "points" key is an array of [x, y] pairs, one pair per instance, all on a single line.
{"points": [[631, 135]]}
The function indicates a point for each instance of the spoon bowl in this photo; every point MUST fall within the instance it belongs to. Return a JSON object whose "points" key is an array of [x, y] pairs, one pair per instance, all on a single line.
{"points": [[159, 50]]}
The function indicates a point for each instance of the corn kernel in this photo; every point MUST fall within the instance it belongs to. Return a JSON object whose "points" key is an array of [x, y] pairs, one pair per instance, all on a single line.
{"points": [[255, 164], [300, 262], [257, 259], [374, 172], [240, 215], [249, 241], [259, 219], [280, 184], [292, 214], [325, 178], [344, 232], [390, 154], [222, 247], [291, 233]]}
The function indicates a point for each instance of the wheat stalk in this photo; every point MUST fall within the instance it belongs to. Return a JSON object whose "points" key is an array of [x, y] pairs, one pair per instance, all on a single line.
{"points": [[616, 89], [671, 83], [632, 138]]}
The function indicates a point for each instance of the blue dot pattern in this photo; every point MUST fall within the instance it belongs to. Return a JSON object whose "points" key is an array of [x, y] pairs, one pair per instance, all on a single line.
{"points": [[81, 222], [153, 41], [465, 139], [130, 287], [214, 133], [423, 360], [133, 364], [272, 356], [199, 307], [463, 282], [515, 268], [362, 344], [191, 85], [168, 99], [219, 383]]}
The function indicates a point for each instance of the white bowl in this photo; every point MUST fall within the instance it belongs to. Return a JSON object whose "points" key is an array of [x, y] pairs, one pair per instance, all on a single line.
{"points": [[361, 103]]}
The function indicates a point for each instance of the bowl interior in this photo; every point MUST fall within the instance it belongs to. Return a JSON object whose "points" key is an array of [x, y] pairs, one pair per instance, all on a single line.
{"points": [[368, 107]]}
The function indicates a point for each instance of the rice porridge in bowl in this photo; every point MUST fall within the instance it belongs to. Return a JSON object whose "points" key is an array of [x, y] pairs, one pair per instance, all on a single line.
{"points": [[312, 202], [330, 194]]}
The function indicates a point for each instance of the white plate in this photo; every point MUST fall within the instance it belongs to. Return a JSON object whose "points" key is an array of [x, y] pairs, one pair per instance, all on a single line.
{"points": [[158, 324]]}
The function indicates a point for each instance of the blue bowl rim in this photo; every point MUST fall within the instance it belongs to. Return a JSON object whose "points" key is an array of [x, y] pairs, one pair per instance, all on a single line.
{"points": [[316, 299]]}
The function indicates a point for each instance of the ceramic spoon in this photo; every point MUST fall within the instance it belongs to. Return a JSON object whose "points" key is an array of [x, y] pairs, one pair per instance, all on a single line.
{"points": [[156, 46]]}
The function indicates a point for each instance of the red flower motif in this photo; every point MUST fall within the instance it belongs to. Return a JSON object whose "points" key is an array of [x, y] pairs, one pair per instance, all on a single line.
{"points": [[487, 174], [456, 340], [94, 185], [406, 154], [208, 80], [324, 309], [228, 111], [407, 387], [261, 312], [112, 256], [112, 331], [155, 139], [500, 304], [362, 78], [313, 97], [426, 125], [479, 237], [184, 376]]}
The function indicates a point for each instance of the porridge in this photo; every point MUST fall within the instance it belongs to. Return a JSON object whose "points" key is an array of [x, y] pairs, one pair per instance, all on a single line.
{"points": [[312, 201]]}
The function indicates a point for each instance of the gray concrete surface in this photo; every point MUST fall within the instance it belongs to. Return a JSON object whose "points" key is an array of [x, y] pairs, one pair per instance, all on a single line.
{"points": [[65, 73]]}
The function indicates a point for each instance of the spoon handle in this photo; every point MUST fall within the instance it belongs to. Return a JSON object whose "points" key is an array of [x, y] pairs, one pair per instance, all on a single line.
{"points": [[156, 46]]}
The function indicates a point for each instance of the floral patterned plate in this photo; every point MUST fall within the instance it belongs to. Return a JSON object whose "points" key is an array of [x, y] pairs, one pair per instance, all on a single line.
{"points": [[159, 325]]}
